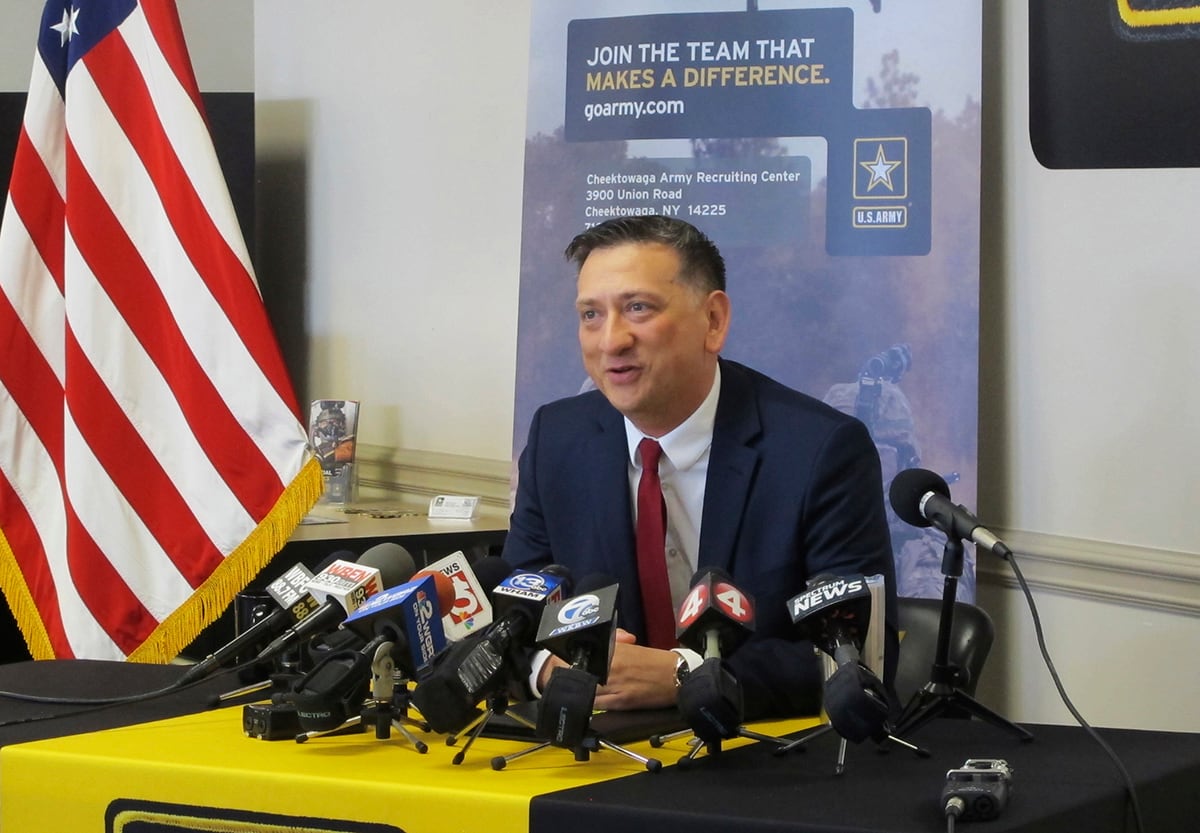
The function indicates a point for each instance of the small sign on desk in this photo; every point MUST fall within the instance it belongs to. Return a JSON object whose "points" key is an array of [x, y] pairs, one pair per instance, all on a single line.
{"points": [[457, 507]]}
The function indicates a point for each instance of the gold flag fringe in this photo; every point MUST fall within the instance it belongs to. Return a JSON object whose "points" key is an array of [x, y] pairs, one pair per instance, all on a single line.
{"points": [[20, 602], [208, 601], [212, 597]]}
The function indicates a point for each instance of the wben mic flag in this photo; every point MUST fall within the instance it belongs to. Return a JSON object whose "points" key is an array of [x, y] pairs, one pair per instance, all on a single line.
{"points": [[152, 457]]}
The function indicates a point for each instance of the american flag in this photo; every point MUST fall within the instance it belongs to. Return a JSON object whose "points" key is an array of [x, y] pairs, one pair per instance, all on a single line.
{"points": [[152, 457]]}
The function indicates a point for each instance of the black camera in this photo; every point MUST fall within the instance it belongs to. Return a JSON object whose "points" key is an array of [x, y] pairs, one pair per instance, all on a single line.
{"points": [[978, 790]]}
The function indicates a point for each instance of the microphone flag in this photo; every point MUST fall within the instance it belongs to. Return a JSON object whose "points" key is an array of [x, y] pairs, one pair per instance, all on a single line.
{"points": [[407, 613], [471, 609]]}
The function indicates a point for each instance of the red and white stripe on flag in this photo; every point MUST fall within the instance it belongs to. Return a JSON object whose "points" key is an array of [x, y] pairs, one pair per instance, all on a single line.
{"points": [[152, 457]]}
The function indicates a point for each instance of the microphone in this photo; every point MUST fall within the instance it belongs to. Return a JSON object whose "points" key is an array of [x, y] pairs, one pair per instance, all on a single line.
{"points": [[409, 616], [583, 631], [922, 498], [294, 603], [714, 620], [341, 588], [474, 669], [469, 608], [834, 613], [716, 617]]}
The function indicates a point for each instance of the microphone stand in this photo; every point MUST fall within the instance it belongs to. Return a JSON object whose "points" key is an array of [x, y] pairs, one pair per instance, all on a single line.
{"points": [[840, 767], [710, 697], [941, 692], [385, 709], [497, 704], [591, 742], [564, 718]]}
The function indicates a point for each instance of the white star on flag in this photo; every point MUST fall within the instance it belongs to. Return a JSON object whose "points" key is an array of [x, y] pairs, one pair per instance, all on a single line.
{"points": [[67, 28]]}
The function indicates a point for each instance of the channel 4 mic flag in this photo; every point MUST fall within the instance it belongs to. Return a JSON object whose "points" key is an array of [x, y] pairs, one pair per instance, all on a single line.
{"points": [[152, 456]]}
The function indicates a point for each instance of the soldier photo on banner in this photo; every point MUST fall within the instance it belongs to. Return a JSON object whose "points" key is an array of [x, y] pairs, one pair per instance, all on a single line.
{"points": [[877, 399]]}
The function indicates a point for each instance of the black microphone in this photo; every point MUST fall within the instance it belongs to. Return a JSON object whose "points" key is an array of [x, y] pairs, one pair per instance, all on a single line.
{"points": [[922, 498], [477, 667], [716, 617], [583, 631], [834, 613], [714, 620], [290, 593], [342, 587]]}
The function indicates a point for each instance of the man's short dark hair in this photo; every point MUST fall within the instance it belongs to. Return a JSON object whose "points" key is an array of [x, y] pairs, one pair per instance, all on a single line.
{"points": [[701, 263]]}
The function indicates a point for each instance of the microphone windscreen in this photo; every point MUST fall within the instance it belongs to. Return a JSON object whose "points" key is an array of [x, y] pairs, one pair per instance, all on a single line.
{"points": [[490, 571], [394, 563], [444, 586], [907, 490], [715, 572], [593, 581], [568, 584], [336, 555]]}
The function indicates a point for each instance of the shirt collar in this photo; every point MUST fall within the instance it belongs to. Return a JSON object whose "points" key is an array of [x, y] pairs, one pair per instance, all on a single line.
{"points": [[687, 443]]}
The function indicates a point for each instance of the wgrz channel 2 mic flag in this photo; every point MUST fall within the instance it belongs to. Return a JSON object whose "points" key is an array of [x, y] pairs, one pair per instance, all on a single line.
{"points": [[152, 454]]}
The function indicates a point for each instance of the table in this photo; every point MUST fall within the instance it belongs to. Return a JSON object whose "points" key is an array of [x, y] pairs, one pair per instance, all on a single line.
{"points": [[1062, 783], [200, 766]]}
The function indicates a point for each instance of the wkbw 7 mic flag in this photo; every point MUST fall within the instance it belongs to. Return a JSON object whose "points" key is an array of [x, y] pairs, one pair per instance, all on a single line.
{"points": [[154, 459]]}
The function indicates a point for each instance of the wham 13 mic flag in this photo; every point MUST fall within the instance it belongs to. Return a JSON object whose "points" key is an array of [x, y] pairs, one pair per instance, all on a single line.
{"points": [[152, 457]]}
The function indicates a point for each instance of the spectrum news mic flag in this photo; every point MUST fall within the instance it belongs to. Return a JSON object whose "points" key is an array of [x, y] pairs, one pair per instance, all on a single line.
{"points": [[154, 456]]}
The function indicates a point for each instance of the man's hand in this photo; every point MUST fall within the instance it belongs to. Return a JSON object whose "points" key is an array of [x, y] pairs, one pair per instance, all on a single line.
{"points": [[640, 677]]}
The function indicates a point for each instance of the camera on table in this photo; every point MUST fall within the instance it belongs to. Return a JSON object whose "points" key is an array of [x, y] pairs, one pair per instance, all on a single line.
{"points": [[981, 785]]}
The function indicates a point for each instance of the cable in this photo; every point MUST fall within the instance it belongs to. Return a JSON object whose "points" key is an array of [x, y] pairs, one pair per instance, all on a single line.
{"points": [[1062, 693], [87, 701], [955, 807], [95, 704]]}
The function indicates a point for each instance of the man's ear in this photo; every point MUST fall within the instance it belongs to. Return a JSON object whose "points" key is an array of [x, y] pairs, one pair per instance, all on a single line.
{"points": [[718, 311]]}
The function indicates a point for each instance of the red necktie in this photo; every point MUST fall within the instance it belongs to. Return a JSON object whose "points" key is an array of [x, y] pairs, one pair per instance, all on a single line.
{"points": [[651, 551]]}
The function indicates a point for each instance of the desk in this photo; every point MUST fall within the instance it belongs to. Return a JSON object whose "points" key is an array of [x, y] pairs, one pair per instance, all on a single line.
{"points": [[1062, 783], [411, 527]]}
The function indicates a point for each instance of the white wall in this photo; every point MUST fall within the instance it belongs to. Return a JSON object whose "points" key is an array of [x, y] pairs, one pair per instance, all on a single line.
{"points": [[1089, 448], [412, 128], [220, 35], [411, 120]]}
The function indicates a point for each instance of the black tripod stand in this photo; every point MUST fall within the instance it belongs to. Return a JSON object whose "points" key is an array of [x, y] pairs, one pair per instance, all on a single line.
{"points": [[385, 710], [710, 701], [497, 705], [564, 720], [857, 706], [941, 692], [591, 742]]}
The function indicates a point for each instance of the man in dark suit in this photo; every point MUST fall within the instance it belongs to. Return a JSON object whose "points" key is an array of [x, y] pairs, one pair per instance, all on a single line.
{"points": [[764, 482]]}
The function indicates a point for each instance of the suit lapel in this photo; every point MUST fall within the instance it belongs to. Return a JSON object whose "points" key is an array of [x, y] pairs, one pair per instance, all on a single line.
{"points": [[604, 455], [732, 463]]}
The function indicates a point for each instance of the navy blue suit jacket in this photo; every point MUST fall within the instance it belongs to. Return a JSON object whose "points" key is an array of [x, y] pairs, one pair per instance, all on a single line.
{"points": [[793, 490]]}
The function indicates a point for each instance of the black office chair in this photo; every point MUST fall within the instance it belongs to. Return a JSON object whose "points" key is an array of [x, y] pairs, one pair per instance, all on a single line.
{"points": [[970, 642]]}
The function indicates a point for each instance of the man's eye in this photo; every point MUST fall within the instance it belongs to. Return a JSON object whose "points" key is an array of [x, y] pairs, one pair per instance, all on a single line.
{"points": [[587, 315]]}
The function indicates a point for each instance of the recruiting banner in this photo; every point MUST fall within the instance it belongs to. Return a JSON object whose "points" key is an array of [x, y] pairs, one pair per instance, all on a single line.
{"points": [[831, 151]]}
